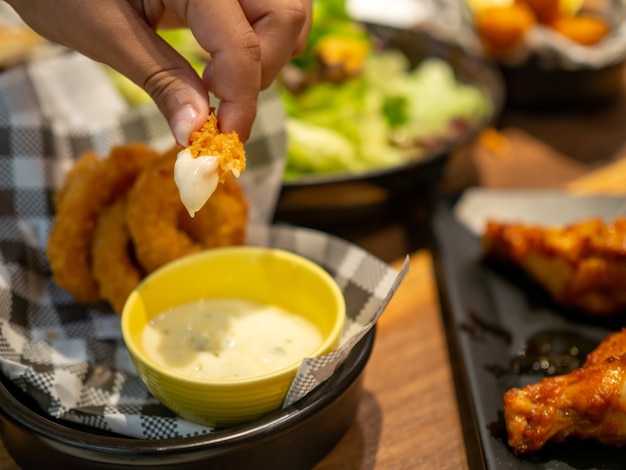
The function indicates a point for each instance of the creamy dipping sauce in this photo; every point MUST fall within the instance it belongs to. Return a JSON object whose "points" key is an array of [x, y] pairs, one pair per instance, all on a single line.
{"points": [[196, 179], [228, 339]]}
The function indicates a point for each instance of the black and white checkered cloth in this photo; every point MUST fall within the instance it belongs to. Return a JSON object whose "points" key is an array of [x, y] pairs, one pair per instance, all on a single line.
{"points": [[72, 359]]}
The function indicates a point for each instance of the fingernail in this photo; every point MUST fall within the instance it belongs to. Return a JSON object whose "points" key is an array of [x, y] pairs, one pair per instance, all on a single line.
{"points": [[208, 73], [182, 124]]}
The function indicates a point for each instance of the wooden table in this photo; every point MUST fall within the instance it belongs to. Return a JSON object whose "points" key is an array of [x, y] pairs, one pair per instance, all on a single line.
{"points": [[408, 417]]}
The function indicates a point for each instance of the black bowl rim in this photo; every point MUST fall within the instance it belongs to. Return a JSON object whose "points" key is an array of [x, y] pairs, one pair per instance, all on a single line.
{"points": [[235, 439]]}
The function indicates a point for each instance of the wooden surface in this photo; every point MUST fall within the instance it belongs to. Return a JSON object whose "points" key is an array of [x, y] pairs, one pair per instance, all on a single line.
{"points": [[408, 416]]}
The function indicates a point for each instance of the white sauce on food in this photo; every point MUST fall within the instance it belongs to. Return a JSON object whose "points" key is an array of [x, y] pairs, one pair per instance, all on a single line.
{"points": [[196, 179], [228, 339]]}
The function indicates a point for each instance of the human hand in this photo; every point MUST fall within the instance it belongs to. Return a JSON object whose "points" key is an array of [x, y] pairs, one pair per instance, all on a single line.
{"points": [[249, 41]]}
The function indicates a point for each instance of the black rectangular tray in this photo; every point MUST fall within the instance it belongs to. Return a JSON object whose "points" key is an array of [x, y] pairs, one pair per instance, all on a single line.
{"points": [[491, 315]]}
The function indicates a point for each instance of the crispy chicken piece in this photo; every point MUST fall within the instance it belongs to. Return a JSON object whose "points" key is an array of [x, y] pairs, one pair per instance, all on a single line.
{"points": [[582, 266], [207, 162], [210, 141], [588, 403], [613, 344]]}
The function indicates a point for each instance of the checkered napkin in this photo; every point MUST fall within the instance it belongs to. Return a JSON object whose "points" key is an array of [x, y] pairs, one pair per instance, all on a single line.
{"points": [[72, 359]]}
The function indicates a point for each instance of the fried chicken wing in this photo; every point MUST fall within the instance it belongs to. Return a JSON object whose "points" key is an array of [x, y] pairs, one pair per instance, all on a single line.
{"points": [[613, 345], [582, 266], [588, 403]]}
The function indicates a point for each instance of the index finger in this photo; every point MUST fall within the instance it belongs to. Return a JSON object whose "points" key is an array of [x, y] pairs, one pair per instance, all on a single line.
{"points": [[221, 28], [282, 27]]}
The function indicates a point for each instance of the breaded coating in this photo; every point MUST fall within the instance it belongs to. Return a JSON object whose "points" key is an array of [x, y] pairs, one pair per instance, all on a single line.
{"points": [[114, 267], [154, 213], [81, 166], [210, 141], [69, 243], [222, 220]]}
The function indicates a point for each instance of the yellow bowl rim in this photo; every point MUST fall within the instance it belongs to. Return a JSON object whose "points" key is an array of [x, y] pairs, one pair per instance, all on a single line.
{"points": [[334, 335]]}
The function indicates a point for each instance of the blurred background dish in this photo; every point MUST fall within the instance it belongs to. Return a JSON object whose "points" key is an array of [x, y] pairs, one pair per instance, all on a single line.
{"points": [[365, 99], [18, 43], [368, 98], [555, 54], [334, 199]]}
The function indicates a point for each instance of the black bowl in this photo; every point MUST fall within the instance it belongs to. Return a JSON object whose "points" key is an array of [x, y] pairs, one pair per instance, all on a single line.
{"points": [[469, 69], [546, 84], [296, 437], [535, 88]]}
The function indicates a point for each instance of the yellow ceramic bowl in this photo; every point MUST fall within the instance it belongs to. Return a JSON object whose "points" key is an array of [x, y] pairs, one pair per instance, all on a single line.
{"points": [[263, 275]]}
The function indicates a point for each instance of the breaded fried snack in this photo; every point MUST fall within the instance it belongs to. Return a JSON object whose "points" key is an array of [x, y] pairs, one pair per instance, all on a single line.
{"points": [[210, 157], [160, 227], [90, 190]]}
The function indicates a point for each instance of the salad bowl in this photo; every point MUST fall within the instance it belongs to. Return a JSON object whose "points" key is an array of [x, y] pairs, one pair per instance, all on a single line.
{"points": [[327, 199], [445, 96]]}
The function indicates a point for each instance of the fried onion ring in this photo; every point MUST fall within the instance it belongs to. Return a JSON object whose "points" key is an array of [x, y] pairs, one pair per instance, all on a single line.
{"points": [[222, 220], [114, 267], [81, 166], [160, 227], [69, 242]]}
